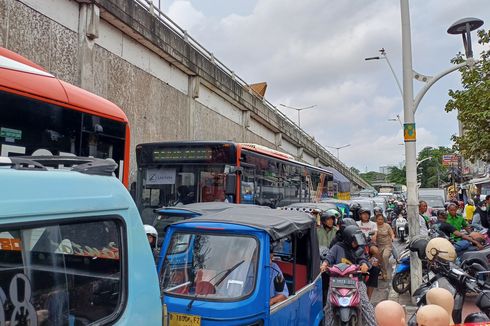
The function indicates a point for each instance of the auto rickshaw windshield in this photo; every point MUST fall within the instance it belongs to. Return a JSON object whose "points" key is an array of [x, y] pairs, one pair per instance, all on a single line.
{"points": [[210, 266]]}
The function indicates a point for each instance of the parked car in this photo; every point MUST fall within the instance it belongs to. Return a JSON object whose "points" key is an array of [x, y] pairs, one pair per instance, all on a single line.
{"points": [[225, 276], [73, 245]]}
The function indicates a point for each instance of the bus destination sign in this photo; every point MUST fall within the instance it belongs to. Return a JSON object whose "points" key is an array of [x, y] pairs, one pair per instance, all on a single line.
{"points": [[183, 154]]}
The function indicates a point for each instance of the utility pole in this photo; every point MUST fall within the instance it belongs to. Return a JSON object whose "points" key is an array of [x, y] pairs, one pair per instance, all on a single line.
{"points": [[464, 27]]}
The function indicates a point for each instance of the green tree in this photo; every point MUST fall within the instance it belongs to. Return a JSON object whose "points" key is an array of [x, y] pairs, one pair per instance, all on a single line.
{"points": [[473, 105], [354, 170], [397, 175], [434, 174], [372, 176]]}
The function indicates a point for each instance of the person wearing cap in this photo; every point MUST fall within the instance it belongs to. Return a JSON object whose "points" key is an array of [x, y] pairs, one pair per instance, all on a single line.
{"points": [[327, 230]]}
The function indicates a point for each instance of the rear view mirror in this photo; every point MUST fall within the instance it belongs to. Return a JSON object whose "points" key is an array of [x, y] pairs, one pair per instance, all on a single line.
{"points": [[483, 277], [230, 186]]}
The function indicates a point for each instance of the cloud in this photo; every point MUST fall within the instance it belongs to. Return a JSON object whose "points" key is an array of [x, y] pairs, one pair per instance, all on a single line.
{"points": [[312, 52]]}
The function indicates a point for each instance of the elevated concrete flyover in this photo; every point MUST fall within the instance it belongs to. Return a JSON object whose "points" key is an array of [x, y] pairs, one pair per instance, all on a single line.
{"points": [[170, 87]]}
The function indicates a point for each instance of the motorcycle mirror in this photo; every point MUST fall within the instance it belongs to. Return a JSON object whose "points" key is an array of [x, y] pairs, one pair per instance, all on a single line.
{"points": [[279, 283], [483, 276], [372, 233]]}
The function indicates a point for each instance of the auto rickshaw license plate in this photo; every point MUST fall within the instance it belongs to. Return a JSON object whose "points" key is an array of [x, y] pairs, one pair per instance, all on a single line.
{"points": [[184, 320], [341, 282]]}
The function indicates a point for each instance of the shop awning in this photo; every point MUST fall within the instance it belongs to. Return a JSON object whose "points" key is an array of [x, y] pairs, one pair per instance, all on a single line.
{"points": [[478, 181]]}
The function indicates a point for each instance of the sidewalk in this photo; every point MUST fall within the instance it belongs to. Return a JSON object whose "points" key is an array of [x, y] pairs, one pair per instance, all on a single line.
{"points": [[385, 292]]}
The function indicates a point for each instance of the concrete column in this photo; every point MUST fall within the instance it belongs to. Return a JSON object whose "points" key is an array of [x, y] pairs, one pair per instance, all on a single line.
{"points": [[88, 31], [278, 139], [194, 85], [316, 161], [300, 152]]}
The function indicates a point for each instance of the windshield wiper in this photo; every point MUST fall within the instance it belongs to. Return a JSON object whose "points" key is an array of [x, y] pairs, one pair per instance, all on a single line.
{"points": [[225, 275]]}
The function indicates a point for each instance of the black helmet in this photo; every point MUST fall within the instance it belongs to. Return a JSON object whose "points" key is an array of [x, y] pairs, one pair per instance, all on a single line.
{"points": [[353, 234], [355, 206], [364, 210], [347, 222], [329, 213], [418, 245], [476, 317]]}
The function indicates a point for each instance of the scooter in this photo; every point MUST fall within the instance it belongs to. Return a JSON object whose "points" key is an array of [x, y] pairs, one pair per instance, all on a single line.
{"points": [[401, 277], [401, 224], [344, 294]]}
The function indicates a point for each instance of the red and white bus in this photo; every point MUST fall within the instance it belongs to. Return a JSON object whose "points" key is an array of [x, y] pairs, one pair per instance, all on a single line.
{"points": [[42, 115], [188, 172]]}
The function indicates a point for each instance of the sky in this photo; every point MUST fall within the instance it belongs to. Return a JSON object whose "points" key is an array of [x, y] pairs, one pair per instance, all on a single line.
{"points": [[311, 52]]}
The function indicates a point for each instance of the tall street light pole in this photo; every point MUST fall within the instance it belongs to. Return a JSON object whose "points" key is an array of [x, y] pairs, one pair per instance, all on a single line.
{"points": [[338, 148], [299, 110], [464, 27]]}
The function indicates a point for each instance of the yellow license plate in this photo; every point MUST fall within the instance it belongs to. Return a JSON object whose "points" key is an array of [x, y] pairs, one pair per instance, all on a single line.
{"points": [[184, 320]]}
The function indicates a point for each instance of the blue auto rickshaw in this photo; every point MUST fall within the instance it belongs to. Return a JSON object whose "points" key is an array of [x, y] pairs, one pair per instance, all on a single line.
{"points": [[226, 276]]}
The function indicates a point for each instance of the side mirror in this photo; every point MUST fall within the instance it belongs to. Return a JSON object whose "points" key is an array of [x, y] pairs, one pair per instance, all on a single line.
{"points": [[483, 276], [230, 185], [372, 233]]}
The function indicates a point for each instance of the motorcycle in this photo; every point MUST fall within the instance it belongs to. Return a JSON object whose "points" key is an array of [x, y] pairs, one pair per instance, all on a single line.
{"points": [[453, 278], [344, 297], [401, 277], [401, 225]]}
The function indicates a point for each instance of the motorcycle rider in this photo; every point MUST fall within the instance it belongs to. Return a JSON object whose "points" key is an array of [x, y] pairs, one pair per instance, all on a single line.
{"points": [[456, 219], [343, 224], [483, 212], [152, 235], [327, 230], [354, 210], [350, 251], [462, 242]]}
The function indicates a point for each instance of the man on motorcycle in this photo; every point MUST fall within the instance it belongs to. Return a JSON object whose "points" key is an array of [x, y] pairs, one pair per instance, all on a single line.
{"points": [[354, 210], [456, 219], [483, 212], [351, 251], [462, 242]]}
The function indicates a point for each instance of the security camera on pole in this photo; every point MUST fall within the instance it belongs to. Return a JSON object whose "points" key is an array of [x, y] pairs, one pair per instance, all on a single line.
{"points": [[463, 27]]}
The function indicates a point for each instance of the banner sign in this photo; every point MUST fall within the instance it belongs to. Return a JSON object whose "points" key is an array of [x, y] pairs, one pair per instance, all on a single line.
{"points": [[409, 132]]}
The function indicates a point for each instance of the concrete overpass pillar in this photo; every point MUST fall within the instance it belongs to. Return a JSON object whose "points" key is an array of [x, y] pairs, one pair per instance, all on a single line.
{"points": [[88, 31], [316, 161], [300, 152], [278, 139], [194, 86]]}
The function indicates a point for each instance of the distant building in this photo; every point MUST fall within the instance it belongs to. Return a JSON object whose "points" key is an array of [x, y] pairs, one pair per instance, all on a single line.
{"points": [[386, 169]]}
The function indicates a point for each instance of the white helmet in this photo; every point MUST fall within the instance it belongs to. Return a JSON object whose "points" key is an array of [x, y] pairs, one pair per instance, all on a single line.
{"points": [[440, 248], [151, 230]]}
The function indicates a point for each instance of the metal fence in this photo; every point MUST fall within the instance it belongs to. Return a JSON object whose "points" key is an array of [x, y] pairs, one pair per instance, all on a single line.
{"points": [[155, 10]]}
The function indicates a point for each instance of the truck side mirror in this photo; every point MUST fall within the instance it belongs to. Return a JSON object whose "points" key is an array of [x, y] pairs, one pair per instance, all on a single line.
{"points": [[230, 185]]}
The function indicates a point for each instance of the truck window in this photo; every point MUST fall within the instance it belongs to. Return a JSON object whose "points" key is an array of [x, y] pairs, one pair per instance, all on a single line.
{"points": [[61, 274]]}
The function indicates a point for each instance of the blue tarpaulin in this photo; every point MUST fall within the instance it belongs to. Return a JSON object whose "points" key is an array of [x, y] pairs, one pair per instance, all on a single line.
{"points": [[342, 182]]}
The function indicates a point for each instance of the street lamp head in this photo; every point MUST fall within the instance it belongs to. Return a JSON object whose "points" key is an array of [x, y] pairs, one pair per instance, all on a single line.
{"points": [[464, 27], [372, 58]]}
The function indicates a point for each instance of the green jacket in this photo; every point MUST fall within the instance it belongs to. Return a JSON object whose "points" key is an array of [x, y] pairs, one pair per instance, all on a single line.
{"points": [[325, 236]]}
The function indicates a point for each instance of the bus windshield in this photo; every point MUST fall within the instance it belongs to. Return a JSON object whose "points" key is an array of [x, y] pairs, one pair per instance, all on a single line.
{"points": [[171, 185]]}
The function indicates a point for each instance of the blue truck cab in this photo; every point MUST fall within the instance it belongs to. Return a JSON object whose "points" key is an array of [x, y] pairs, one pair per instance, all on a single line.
{"points": [[72, 247], [217, 268]]}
